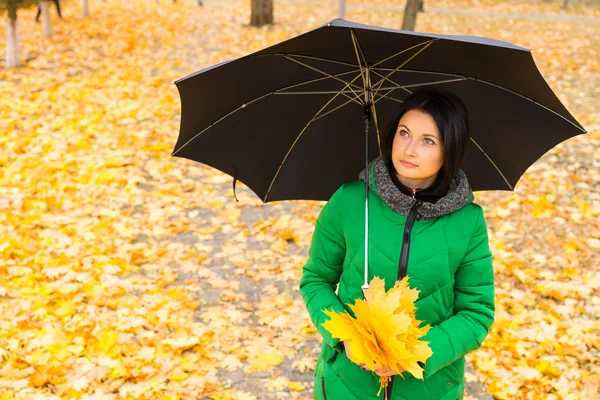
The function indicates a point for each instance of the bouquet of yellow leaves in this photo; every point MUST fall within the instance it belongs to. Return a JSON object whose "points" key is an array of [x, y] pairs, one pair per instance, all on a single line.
{"points": [[385, 333]]}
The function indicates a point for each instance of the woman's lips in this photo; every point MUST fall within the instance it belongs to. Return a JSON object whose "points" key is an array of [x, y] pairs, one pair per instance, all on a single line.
{"points": [[407, 164]]}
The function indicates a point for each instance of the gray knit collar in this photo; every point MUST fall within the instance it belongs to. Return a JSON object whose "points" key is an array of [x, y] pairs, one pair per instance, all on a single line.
{"points": [[459, 193]]}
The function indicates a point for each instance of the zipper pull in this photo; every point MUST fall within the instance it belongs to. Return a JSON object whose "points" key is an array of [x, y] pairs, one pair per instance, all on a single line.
{"points": [[413, 192], [418, 204]]}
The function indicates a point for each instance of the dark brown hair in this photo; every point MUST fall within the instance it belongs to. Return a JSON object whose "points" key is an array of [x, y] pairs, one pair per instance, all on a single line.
{"points": [[451, 117]]}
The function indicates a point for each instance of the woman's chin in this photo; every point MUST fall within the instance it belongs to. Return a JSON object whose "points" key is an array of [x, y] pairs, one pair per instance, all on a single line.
{"points": [[409, 173]]}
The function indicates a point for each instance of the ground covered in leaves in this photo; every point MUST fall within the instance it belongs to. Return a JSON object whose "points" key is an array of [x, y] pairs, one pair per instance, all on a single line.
{"points": [[127, 274]]}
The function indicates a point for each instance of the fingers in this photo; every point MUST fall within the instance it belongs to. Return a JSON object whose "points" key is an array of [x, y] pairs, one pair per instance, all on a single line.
{"points": [[380, 372], [385, 374]]}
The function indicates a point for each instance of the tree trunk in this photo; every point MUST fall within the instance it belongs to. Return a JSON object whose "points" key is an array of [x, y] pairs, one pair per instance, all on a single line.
{"points": [[410, 15], [342, 8], [13, 58], [262, 12], [421, 9], [86, 7], [566, 4], [46, 22]]}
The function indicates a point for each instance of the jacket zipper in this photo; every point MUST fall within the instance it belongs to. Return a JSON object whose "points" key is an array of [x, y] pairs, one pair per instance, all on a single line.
{"points": [[413, 215], [388, 389], [323, 388]]}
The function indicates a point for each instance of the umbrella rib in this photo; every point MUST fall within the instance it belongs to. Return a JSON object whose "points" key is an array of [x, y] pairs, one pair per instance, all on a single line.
{"points": [[381, 96], [330, 111], [399, 86], [314, 118], [279, 91], [385, 96], [392, 81], [387, 78], [256, 99], [360, 57], [318, 92], [465, 77], [482, 81], [391, 89], [416, 70], [292, 147], [493, 163], [425, 46], [422, 84], [527, 98], [219, 120], [311, 57], [321, 72], [404, 51]]}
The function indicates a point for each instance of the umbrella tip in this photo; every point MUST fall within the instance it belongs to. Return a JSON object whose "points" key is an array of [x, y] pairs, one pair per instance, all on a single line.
{"points": [[333, 21]]}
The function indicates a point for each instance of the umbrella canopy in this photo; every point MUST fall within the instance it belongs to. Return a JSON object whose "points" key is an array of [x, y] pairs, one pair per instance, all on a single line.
{"points": [[287, 121]]}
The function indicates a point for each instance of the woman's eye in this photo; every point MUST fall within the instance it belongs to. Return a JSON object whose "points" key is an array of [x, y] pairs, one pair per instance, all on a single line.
{"points": [[403, 133], [429, 141]]}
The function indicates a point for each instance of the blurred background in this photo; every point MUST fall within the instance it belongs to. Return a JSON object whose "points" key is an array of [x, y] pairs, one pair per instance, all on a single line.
{"points": [[125, 273]]}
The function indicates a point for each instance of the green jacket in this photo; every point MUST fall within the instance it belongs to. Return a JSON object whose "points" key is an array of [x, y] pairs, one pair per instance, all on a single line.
{"points": [[449, 262]]}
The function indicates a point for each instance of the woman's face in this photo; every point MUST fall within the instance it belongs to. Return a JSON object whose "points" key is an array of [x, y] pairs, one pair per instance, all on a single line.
{"points": [[417, 150]]}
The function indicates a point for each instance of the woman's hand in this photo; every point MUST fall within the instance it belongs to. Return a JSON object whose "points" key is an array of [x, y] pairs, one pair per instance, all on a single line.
{"points": [[386, 372], [347, 348], [381, 372]]}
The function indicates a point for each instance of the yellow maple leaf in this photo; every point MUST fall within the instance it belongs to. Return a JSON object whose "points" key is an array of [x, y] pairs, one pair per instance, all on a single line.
{"points": [[107, 341], [64, 308], [296, 386], [277, 384], [263, 360], [385, 333], [304, 364], [231, 363]]}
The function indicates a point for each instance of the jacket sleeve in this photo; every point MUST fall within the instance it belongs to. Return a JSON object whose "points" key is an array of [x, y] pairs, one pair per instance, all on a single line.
{"points": [[321, 273], [474, 306]]}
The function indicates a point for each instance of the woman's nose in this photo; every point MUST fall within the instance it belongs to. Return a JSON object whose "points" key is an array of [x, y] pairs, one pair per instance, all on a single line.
{"points": [[411, 148]]}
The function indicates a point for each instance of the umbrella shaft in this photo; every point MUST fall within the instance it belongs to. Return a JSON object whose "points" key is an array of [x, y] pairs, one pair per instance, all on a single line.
{"points": [[367, 119]]}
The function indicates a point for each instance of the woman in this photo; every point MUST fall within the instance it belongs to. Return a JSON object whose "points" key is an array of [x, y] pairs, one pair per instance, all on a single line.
{"points": [[423, 223]]}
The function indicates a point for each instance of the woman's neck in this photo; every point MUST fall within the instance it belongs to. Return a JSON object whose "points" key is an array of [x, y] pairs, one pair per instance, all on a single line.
{"points": [[416, 183]]}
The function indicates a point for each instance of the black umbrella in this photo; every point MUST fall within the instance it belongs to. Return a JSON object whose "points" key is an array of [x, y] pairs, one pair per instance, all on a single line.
{"points": [[288, 121]]}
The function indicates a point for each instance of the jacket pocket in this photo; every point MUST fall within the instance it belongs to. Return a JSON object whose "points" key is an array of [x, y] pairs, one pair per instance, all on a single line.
{"points": [[323, 388]]}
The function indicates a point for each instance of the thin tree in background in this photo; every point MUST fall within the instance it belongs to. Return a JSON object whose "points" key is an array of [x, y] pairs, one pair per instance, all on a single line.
{"points": [[46, 22], [262, 12], [13, 51], [39, 12], [86, 7], [410, 14]]}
